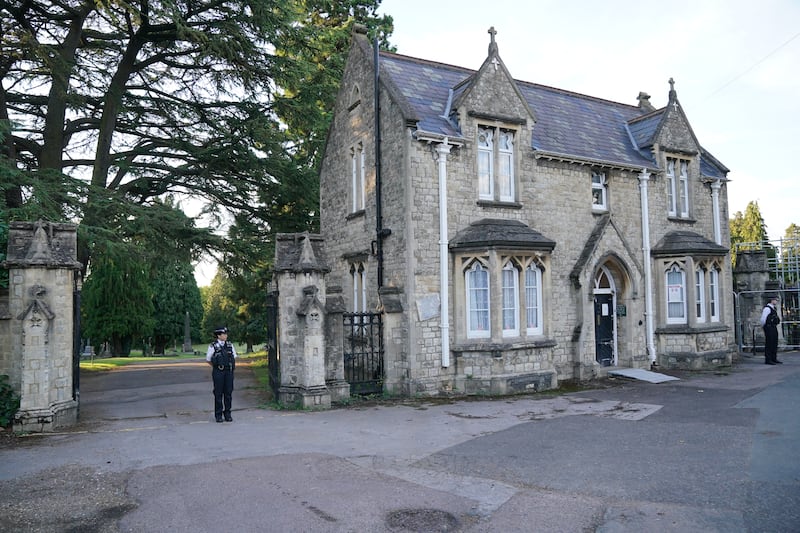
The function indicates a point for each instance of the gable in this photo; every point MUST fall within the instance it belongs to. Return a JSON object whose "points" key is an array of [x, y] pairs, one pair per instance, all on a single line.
{"points": [[674, 133], [492, 93]]}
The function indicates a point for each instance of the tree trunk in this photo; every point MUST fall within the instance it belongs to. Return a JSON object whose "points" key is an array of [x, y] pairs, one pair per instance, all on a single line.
{"points": [[159, 345]]}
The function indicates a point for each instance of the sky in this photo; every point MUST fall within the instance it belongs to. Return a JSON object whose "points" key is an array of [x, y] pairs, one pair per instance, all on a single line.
{"points": [[736, 66]]}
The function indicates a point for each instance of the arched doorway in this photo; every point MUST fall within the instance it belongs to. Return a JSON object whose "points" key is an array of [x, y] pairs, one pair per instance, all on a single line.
{"points": [[605, 317]]}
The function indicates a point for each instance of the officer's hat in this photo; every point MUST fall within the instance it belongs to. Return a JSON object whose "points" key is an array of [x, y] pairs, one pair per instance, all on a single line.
{"points": [[220, 331]]}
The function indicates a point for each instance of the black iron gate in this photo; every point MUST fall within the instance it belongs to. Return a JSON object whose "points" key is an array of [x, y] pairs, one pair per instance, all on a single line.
{"points": [[363, 352]]}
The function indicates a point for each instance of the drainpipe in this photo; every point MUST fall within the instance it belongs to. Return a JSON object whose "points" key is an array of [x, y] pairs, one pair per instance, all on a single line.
{"points": [[380, 232], [715, 186], [442, 149], [644, 177]]}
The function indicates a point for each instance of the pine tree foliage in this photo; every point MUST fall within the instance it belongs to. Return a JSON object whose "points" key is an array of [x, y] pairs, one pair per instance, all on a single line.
{"points": [[749, 228], [175, 293], [749, 232], [117, 302], [113, 114], [790, 256], [219, 309], [224, 101]]}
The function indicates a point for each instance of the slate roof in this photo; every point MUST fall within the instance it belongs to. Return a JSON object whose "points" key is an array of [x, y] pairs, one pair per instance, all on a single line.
{"points": [[688, 243], [568, 124], [497, 233], [643, 129]]}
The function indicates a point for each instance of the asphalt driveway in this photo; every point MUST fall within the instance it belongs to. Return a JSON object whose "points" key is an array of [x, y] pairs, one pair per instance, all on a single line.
{"points": [[711, 452]]}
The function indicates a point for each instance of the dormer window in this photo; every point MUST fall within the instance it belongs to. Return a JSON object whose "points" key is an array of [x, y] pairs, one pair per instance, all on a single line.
{"points": [[496, 164], [678, 187], [599, 192]]}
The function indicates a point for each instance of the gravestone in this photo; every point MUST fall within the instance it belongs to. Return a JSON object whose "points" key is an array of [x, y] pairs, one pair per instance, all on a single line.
{"points": [[88, 349]]}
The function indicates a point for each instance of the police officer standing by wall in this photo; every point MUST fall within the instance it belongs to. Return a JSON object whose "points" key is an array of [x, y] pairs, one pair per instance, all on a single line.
{"points": [[770, 321], [221, 355]]}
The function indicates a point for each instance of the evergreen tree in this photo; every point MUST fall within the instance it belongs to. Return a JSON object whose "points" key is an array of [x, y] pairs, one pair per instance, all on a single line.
{"points": [[749, 232], [226, 102], [123, 102], [219, 309], [175, 293], [790, 256], [117, 302]]}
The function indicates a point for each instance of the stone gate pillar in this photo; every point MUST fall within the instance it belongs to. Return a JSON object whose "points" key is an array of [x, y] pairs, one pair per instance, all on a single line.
{"points": [[299, 277], [334, 345], [42, 264], [395, 370], [752, 284]]}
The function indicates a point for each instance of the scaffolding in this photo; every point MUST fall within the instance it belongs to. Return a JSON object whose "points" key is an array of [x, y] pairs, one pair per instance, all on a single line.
{"points": [[783, 263]]}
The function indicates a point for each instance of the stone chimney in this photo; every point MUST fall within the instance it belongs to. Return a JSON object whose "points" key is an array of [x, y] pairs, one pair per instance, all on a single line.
{"points": [[644, 102]]}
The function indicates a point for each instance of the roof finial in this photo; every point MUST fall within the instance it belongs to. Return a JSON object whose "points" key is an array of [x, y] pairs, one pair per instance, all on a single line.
{"points": [[673, 96], [492, 44]]}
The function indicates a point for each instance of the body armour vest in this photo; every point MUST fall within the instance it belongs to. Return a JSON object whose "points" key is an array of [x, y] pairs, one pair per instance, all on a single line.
{"points": [[223, 355], [772, 319]]}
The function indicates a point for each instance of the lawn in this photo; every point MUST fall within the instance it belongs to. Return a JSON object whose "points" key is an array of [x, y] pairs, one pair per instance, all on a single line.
{"points": [[97, 364]]}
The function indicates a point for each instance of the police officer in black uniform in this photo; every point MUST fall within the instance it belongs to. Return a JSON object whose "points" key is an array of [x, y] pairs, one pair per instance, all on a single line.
{"points": [[770, 321], [221, 355]]}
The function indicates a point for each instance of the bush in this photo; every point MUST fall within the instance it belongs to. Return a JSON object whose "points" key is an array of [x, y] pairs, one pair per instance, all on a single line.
{"points": [[9, 401]]}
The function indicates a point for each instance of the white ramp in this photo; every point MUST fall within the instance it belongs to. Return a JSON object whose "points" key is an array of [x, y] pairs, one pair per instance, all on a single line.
{"points": [[643, 375]]}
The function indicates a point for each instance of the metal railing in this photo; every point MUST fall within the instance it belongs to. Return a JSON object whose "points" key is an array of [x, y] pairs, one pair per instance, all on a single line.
{"points": [[748, 308]]}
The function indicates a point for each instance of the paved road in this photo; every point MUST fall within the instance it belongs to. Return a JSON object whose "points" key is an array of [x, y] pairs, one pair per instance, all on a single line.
{"points": [[709, 453]]}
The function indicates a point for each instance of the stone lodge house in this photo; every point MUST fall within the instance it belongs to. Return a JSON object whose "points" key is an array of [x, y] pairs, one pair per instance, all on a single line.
{"points": [[515, 235]]}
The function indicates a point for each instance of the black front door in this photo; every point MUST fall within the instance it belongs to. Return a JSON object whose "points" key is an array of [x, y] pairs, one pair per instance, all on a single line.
{"points": [[604, 328]]}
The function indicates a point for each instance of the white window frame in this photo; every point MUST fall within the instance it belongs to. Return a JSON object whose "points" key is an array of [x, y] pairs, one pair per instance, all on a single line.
{"points": [[700, 294], [505, 165], [358, 159], [358, 272], [675, 295], [479, 303], [533, 300], [713, 293], [672, 191], [684, 187], [500, 297], [496, 164], [599, 192], [678, 187], [509, 279], [485, 163]]}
